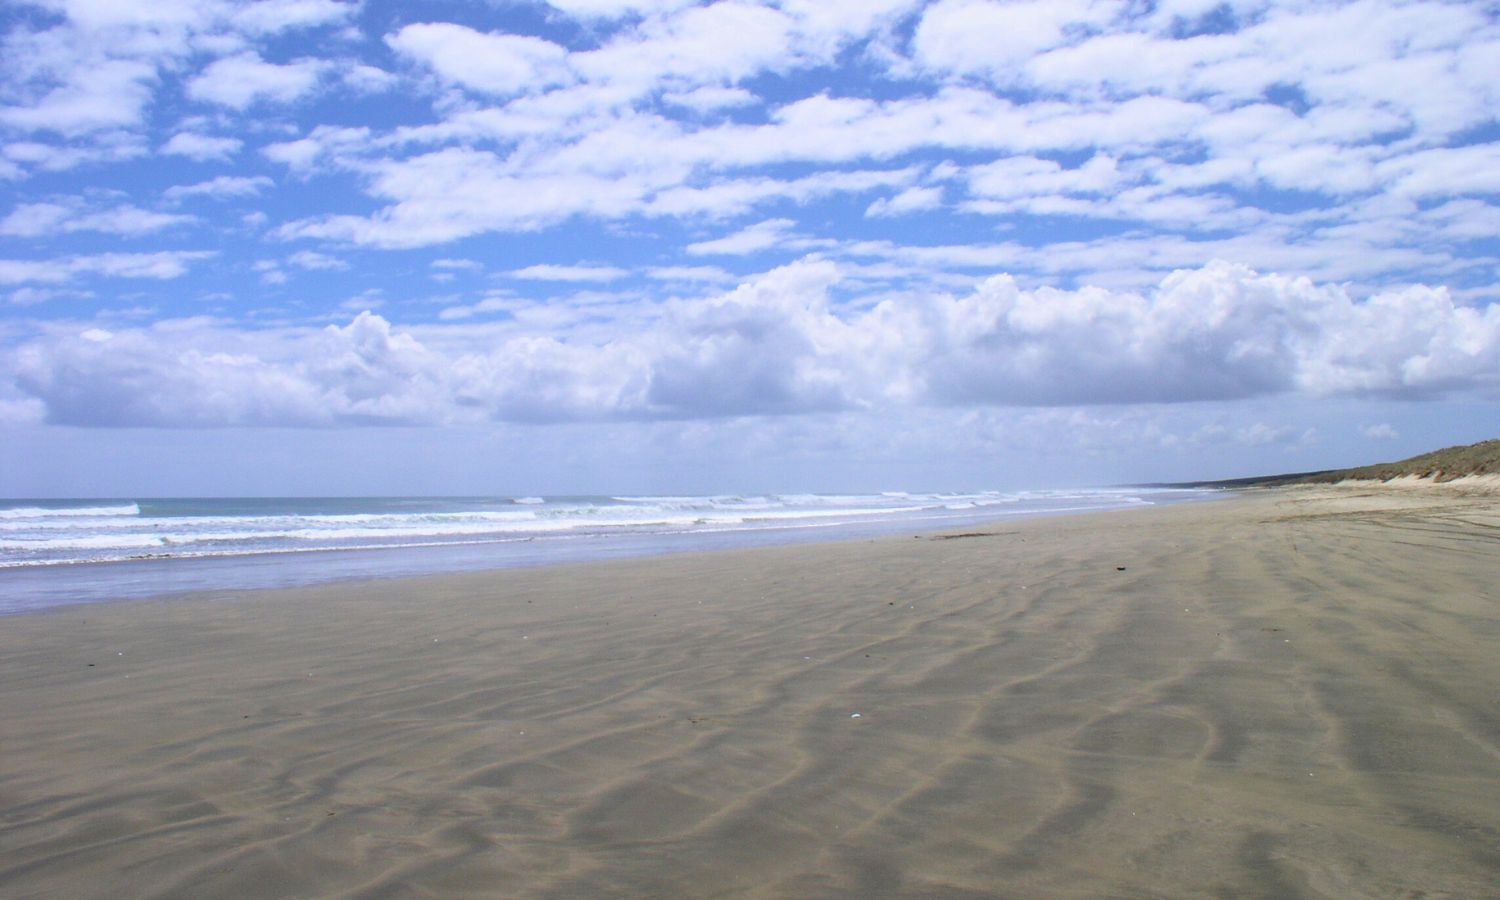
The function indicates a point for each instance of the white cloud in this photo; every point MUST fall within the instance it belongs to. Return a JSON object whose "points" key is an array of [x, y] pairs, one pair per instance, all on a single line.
{"points": [[780, 344], [457, 192], [72, 215], [913, 199], [161, 265], [144, 391], [750, 239], [1346, 141], [21, 411], [769, 346], [271, 272], [733, 196], [244, 79], [127, 220], [1260, 434], [708, 99], [155, 14], [202, 147], [599, 149], [494, 304], [569, 273], [982, 36], [368, 79], [1326, 168], [1445, 172], [493, 63], [614, 9], [96, 66], [314, 261], [224, 187], [275, 271], [1025, 176], [825, 26], [106, 147], [1129, 62], [30, 296], [271, 16], [702, 45], [690, 274], [104, 93], [323, 143], [32, 219], [1381, 432]]}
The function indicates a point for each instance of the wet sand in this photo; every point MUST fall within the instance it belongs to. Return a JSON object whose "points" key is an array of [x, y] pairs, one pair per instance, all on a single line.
{"points": [[1291, 694]]}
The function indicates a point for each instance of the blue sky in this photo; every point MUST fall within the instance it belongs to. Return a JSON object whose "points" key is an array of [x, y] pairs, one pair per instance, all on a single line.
{"points": [[315, 246]]}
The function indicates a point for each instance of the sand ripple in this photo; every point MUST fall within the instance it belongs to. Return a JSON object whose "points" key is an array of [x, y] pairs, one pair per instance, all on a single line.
{"points": [[1290, 695]]}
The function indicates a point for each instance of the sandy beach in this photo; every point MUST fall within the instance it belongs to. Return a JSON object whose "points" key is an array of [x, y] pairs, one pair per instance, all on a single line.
{"points": [[1293, 693]]}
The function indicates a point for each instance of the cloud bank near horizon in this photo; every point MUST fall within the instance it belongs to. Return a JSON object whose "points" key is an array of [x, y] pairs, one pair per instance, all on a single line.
{"points": [[776, 345]]}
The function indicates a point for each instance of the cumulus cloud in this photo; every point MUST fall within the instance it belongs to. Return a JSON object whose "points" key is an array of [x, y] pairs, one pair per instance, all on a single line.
{"points": [[1073, 142], [202, 147], [718, 44], [454, 193], [983, 36], [305, 155], [108, 94], [493, 63], [457, 192], [770, 346], [95, 68], [243, 79], [1127, 119], [782, 343]]}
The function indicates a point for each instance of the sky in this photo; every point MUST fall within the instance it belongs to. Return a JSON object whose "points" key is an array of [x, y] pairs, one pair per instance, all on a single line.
{"points": [[305, 247]]}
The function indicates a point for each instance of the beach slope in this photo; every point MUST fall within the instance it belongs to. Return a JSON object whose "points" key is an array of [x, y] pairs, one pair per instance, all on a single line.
{"points": [[1288, 694]]}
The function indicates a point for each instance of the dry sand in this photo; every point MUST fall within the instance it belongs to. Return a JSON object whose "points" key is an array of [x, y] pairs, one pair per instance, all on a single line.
{"points": [[1292, 694]]}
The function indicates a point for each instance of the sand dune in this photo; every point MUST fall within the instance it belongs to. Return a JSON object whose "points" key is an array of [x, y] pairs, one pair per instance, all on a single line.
{"points": [[1291, 694]]}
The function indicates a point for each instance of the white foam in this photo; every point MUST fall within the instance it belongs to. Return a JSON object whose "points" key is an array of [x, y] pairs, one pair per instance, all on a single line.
{"points": [[85, 542], [38, 535], [43, 512]]}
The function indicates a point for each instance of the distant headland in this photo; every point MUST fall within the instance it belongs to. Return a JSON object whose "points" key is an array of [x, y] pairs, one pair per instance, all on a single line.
{"points": [[1438, 466]]}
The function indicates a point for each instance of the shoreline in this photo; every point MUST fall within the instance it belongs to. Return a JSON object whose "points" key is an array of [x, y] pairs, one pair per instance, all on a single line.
{"points": [[416, 581], [1284, 695], [30, 588]]}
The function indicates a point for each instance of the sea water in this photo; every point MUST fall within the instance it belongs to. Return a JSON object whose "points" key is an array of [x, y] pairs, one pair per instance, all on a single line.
{"points": [[55, 552]]}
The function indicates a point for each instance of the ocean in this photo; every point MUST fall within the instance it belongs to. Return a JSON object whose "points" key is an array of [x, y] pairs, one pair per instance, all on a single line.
{"points": [[56, 552]]}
